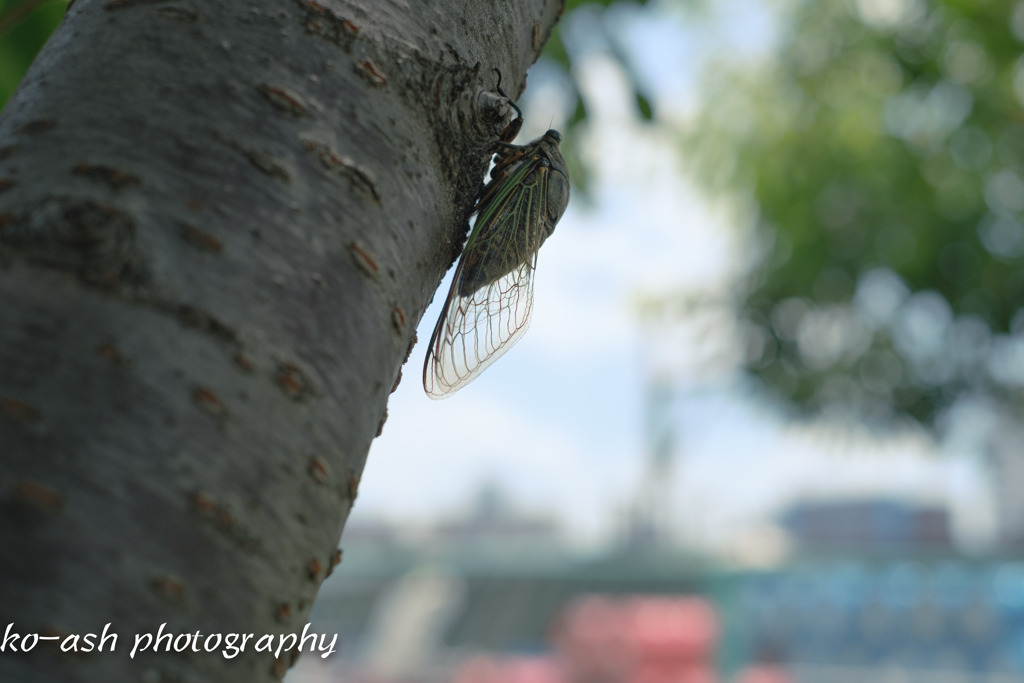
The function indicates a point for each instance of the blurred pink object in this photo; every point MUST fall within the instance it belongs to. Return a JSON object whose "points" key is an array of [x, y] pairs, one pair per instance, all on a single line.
{"points": [[640, 639], [764, 673], [678, 629], [509, 670]]}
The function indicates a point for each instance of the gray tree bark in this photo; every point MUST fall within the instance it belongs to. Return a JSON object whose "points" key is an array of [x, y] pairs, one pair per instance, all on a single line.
{"points": [[219, 225]]}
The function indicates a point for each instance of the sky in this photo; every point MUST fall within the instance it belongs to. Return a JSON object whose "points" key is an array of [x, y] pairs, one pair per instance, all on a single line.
{"points": [[559, 421]]}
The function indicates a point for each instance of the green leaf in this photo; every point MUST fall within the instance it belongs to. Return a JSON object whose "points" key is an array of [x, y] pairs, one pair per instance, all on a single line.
{"points": [[579, 114], [644, 105], [25, 36]]}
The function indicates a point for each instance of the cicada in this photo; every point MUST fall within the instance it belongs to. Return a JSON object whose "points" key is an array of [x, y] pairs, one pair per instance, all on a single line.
{"points": [[491, 296]]}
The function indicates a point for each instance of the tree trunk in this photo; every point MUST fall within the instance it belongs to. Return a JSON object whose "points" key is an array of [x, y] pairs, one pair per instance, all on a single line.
{"points": [[219, 225]]}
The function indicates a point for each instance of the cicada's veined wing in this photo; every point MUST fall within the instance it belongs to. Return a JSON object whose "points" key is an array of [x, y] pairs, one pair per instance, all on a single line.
{"points": [[491, 296], [475, 330]]}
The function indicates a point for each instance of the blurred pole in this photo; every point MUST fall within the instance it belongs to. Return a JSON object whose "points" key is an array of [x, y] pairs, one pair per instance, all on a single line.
{"points": [[652, 510], [689, 343], [659, 428]]}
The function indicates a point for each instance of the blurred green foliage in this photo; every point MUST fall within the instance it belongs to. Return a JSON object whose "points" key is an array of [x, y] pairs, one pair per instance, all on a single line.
{"points": [[24, 26], [556, 50], [884, 152], [562, 51]]}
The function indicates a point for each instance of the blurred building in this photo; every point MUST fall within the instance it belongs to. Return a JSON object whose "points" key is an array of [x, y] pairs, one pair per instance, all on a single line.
{"points": [[496, 596], [479, 598], [848, 621], [868, 525], [492, 525]]}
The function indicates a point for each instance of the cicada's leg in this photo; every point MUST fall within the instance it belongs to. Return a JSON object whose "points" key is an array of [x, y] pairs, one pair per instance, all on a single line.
{"points": [[511, 155], [509, 133], [501, 170]]}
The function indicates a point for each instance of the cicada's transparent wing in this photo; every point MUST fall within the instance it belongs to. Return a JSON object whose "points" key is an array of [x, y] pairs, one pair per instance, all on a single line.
{"points": [[476, 330], [491, 297]]}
